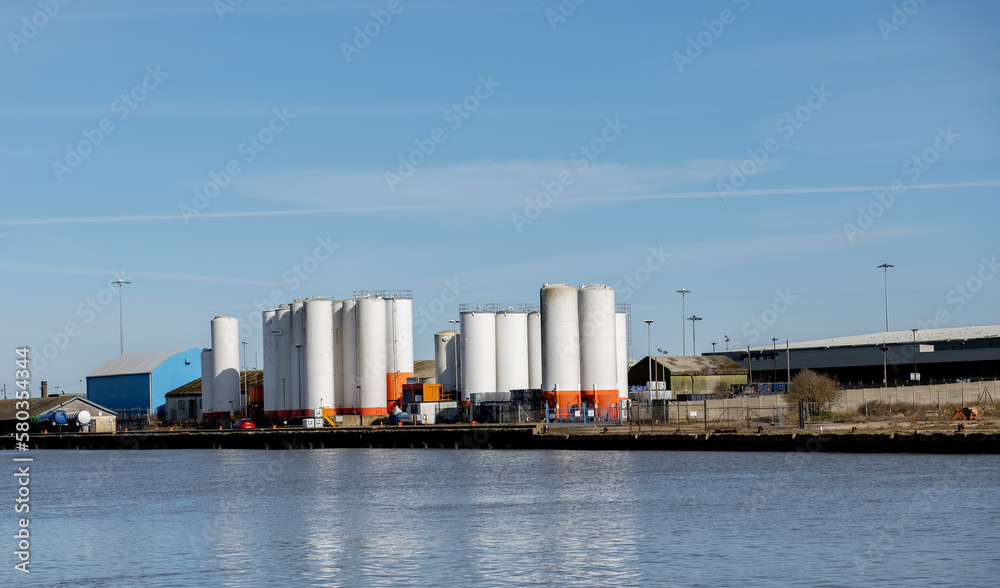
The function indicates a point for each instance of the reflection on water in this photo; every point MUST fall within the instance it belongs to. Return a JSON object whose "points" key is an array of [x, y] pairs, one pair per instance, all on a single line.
{"points": [[442, 517]]}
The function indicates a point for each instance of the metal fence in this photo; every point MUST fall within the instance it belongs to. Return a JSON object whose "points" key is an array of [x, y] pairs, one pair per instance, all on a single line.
{"points": [[584, 416]]}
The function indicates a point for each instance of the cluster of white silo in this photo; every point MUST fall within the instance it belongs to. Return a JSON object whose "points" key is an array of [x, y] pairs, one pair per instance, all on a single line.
{"points": [[583, 346], [220, 367], [353, 355], [495, 351]]}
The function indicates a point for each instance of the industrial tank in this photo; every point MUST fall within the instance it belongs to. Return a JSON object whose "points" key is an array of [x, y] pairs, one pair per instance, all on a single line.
{"points": [[207, 398], [225, 364], [296, 392], [399, 347], [598, 348], [371, 355], [535, 350], [512, 351], [270, 360], [283, 362], [318, 366], [338, 353], [479, 353], [350, 355], [445, 360], [560, 345], [621, 348]]}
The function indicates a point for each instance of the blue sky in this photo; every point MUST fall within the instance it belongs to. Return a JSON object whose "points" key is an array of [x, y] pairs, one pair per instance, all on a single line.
{"points": [[633, 114]]}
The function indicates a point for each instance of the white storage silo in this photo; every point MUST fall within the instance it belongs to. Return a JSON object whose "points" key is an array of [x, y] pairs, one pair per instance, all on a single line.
{"points": [[318, 366], [598, 347], [270, 360], [350, 355], [621, 345], [338, 354], [225, 364], [512, 351], [479, 353], [297, 392], [560, 346], [207, 376], [399, 348], [371, 355], [535, 350], [283, 362], [446, 360]]}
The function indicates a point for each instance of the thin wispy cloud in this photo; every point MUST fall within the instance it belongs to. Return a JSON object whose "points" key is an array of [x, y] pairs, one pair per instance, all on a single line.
{"points": [[42, 268]]}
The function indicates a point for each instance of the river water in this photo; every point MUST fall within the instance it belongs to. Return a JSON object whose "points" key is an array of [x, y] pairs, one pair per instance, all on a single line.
{"points": [[365, 517]]}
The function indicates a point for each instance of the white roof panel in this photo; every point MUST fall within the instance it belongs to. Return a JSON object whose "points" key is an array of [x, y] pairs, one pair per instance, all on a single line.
{"points": [[896, 337], [134, 363]]}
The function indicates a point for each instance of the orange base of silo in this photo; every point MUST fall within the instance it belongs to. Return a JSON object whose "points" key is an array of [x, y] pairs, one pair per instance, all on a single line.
{"points": [[561, 399], [600, 397], [372, 411]]}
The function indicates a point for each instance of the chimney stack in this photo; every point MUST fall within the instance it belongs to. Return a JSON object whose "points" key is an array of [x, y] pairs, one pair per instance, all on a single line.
{"points": [[45, 389]]}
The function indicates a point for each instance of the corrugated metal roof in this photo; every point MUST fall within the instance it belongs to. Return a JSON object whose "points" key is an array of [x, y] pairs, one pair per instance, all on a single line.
{"points": [[895, 337], [137, 363], [424, 368], [193, 388], [700, 365], [37, 405]]}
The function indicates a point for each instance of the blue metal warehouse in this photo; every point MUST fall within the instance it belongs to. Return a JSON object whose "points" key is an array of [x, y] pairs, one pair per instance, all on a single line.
{"points": [[138, 382]]}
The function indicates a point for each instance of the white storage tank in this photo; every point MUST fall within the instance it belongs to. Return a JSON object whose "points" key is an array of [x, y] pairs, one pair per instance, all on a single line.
{"points": [[598, 347], [318, 367], [479, 353], [399, 347], [297, 392], [446, 360], [371, 355], [350, 354], [338, 354], [621, 345], [270, 360], [535, 350], [512, 351], [560, 345], [283, 363], [225, 364], [207, 376]]}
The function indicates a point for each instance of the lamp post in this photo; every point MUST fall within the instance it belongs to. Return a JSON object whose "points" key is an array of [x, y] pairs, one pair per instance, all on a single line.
{"points": [[683, 292], [727, 342], [915, 376], [121, 316], [885, 277], [662, 372], [774, 360], [713, 347], [649, 353], [694, 334]]}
